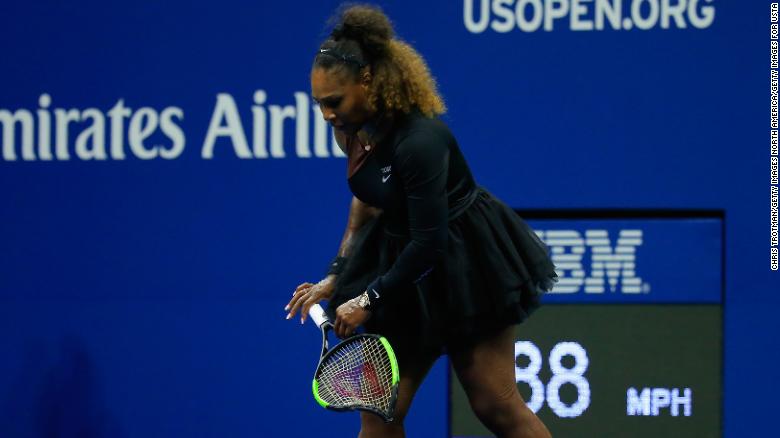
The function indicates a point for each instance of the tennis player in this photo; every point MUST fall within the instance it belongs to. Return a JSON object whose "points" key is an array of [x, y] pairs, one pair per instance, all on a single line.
{"points": [[429, 259]]}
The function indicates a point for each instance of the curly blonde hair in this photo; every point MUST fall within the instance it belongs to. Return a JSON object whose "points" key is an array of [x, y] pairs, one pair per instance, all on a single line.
{"points": [[363, 38]]}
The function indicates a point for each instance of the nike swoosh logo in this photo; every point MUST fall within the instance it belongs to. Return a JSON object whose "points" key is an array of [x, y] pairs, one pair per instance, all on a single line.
{"points": [[376, 295], [385, 178]]}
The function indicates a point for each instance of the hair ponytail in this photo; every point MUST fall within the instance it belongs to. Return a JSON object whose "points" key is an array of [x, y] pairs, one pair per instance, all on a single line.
{"points": [[363, 36], [366, 25]]}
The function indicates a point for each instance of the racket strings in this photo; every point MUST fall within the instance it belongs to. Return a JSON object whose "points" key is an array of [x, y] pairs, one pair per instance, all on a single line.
{"points": [[358, 373]]}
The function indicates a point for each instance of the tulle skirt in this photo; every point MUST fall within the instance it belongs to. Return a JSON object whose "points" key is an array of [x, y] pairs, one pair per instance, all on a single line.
{"points": [[494, 274]]}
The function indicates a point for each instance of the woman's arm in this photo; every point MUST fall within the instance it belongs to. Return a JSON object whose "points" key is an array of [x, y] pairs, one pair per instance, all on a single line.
{"points": [[359, 211], [307, 294], [422, 163], [359, 214]]}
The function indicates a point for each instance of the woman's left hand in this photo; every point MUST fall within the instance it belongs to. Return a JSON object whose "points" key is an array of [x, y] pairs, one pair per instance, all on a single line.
{"points": [[349, 316]]}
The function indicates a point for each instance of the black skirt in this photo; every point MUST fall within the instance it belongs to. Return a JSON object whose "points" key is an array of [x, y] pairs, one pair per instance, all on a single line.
{"points": [[494, 275]]}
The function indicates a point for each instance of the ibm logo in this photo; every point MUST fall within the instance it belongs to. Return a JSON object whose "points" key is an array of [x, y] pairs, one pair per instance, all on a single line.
{"points": [[612, 267]]}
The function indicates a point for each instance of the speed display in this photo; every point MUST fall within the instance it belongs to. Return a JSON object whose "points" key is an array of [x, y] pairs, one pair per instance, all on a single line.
{"points": [[611, 363]]}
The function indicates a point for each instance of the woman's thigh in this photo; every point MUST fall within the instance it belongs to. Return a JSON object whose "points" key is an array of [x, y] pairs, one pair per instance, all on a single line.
{"points": [[486, 369]]}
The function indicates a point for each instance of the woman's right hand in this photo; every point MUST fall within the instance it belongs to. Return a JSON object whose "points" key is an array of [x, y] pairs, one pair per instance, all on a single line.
{"points": [[308, 294]]}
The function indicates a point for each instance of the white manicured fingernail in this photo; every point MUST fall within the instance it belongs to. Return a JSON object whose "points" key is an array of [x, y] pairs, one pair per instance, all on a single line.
{"points": [[288, 316], [287, 307]]}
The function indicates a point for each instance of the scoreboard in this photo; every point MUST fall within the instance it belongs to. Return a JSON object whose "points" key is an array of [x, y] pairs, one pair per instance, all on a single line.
{"points": [[629, 343]]}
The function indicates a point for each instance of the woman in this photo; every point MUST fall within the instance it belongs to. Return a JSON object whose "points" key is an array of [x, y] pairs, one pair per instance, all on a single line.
{"points": [[429, 259]]}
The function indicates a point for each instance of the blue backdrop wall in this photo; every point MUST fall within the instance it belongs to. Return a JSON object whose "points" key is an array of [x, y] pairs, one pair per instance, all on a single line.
{"points": [[166, 184]]}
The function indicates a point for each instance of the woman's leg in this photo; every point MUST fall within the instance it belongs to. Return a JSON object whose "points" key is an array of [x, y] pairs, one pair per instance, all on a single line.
{"points": [[413, 371], [487, 372]]}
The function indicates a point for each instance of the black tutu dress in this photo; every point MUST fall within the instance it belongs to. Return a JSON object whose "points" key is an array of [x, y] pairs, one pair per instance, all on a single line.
{"points": [[492, 273]]}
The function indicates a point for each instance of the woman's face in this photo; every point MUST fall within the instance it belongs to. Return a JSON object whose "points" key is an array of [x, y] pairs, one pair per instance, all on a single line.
{"points": [[342, 100]]}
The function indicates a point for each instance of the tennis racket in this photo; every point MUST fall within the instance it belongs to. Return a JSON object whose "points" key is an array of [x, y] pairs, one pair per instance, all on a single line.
{"points": [[359, 373]]}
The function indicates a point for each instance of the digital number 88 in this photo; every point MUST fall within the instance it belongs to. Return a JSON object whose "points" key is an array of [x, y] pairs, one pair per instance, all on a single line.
{"points": [[561, 376]]}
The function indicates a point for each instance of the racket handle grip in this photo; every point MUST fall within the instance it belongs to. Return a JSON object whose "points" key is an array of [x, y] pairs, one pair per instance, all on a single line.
{"points": [[317, 314]]}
